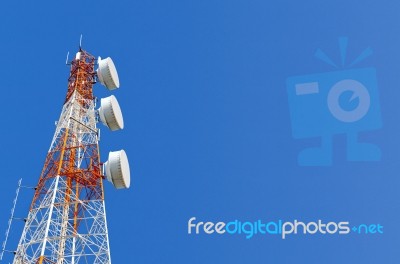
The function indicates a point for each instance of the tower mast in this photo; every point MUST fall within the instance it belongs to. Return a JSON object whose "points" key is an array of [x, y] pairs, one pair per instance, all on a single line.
{"points": [[67, 217]]}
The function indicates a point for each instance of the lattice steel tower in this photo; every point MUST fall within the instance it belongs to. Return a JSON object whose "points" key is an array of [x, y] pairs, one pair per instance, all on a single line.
{"points": [[67, 217]]}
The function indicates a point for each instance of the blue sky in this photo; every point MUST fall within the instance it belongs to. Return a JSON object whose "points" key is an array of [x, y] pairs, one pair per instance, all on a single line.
{"points": [[207, 122]]}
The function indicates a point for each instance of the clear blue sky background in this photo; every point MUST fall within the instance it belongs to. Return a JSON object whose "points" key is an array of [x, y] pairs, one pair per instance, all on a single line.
{"points": [[208, 130]]}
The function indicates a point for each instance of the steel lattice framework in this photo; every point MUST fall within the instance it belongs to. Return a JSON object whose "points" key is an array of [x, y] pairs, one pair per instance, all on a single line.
{"points": [[67, 218]]}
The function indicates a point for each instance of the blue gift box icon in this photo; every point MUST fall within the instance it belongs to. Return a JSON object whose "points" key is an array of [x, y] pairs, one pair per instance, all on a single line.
{"points": [[325, 104]]}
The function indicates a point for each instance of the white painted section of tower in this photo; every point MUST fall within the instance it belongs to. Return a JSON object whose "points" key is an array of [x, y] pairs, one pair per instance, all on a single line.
{"points": [[53, 232], [46, 232]]}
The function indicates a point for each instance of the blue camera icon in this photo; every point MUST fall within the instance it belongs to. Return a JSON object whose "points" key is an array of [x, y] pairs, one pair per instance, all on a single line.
{"points": [[325, 104]]}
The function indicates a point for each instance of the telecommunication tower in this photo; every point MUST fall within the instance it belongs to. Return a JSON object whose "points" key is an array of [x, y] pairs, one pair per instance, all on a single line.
{"points": [[67, 217]]}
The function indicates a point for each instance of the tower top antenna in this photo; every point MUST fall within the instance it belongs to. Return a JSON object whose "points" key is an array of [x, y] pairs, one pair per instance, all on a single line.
{"points": [[80, 43]]}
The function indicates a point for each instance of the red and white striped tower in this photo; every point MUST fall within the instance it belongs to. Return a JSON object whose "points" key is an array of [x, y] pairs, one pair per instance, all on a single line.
{"points": [[67, 217]]}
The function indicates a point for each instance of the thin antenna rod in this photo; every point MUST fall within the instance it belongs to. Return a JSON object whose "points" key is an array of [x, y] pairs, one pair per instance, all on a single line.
{"points": [[80, 43], [28, 187], [3, 248], [66, 61]]}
